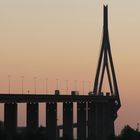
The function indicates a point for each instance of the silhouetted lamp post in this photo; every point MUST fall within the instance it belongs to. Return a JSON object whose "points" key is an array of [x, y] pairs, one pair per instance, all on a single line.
{"points": [[9, 84], [57, 80], [83, 85], [89, 85], [75, 85], [22, 84], [35, 84], [67, 86], [46, 84]]}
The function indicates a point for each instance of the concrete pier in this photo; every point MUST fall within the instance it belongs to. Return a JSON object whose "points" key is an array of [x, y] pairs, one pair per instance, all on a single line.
{"points": [[105, 121], [81, 121], [92, 121], [10, 117], [51, 121], [109, 118], [100, 121], [32, 115], [68, 120]]}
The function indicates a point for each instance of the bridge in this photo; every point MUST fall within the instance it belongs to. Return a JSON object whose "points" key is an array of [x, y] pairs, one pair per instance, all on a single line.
{"points": [[92, 111], [38, 98], [96, 112]]}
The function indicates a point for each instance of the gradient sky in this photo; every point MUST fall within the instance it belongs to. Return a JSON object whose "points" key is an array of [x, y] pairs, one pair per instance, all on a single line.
{"points": [[61, 39]]}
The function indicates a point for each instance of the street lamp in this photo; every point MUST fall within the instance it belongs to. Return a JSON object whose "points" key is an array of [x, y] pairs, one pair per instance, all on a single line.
{"points": [[22, 84], [46, 84], [35, 84], [9, 84]]}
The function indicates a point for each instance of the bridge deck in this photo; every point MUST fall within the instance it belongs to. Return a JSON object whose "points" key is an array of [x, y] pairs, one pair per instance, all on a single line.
{"points": [[23, 98]]}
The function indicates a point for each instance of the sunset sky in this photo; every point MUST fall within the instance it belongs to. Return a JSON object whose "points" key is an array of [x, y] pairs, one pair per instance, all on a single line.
{"points": [[61, 39]]}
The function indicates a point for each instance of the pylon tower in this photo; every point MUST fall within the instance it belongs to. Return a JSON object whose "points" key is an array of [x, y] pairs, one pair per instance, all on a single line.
{"points": [[105, 62], [102, 114]]}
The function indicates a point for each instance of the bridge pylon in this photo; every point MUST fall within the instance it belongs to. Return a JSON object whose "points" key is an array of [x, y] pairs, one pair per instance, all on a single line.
{"points": [[103, 114]]}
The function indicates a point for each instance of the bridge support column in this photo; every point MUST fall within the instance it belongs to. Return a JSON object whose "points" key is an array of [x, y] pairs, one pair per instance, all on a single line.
{"points": [[51, 120], [109, 118], [10, 118], [100, 121], [32, 115], [81, 121], [92, 121], [105, 121], [68, 120]]}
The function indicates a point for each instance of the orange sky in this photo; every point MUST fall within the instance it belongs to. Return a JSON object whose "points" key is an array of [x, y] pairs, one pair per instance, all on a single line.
{"points": [[61, 39]]}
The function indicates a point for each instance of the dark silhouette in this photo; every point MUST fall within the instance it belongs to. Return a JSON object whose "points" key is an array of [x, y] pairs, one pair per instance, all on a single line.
{"points": [[101, 119], [96, 112], [127, 133]]}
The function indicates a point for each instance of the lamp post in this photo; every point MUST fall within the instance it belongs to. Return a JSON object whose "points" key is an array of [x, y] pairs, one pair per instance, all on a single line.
{"points": [[89, 85], [67, 86], [57, 80], [9, 84], [83, 85], [22, 84], [75, 85], [46, 85], [35, 84]]}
